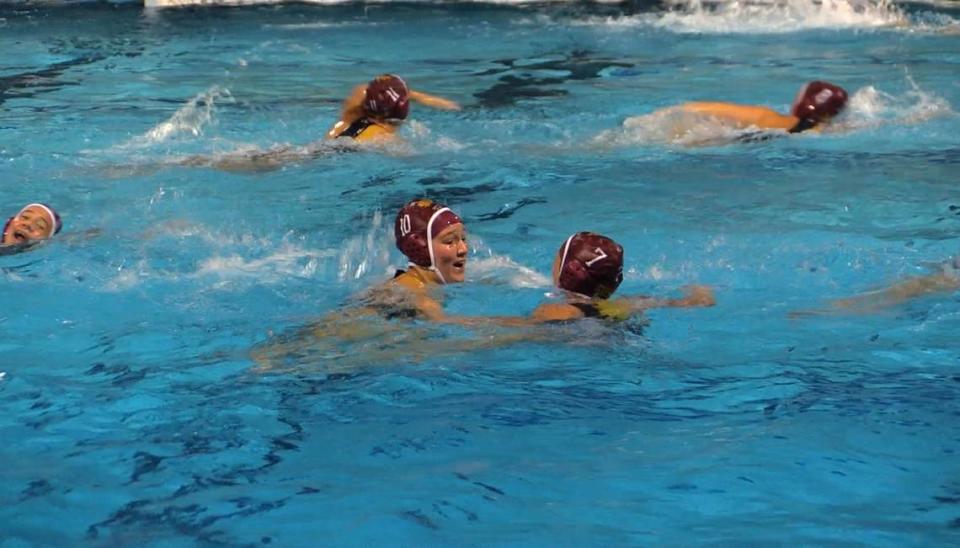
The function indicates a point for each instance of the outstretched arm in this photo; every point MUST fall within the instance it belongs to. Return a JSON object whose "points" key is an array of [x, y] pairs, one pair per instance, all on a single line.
{"points": [[433, 101], [694, 296], [434, 312], [899, 292], [743, 115]]}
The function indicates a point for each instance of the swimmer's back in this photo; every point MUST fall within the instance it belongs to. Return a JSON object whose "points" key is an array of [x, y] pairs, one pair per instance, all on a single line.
{"points": [[363, 130], [603, 309]]}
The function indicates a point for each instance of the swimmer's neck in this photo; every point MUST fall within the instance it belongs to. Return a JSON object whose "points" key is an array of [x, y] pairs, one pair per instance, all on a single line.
{"points": [[423, 277]]}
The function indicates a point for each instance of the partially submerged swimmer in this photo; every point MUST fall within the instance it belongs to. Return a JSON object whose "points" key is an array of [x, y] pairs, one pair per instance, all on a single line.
{"points": [[33, 223], [375, 111], [816, 104], [434, 240], [946, 280], [589, 268]]}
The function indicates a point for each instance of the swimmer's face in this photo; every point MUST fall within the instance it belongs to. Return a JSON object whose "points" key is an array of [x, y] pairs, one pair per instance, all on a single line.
{"points": [[450, 253], [30, 224]]}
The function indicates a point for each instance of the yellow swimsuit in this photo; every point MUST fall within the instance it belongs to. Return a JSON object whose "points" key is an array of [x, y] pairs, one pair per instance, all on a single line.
{"points": [[363, 130]]}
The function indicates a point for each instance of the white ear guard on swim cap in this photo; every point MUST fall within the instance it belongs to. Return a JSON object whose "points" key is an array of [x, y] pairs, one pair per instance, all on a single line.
{"points": [[433, 263], [566, 248]]}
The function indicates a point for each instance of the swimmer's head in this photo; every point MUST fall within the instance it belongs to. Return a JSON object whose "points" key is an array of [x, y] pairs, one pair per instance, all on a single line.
{"points": [[589, 264], [421, 230], [387, 98], [32, 223], [819, 101]]}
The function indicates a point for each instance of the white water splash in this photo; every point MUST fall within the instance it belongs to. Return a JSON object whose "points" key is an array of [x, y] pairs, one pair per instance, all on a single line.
{"points": [[287, 260], [672, 126], [871, 108], [764, 16], [366, 253], [503, 269], [190, 120]]}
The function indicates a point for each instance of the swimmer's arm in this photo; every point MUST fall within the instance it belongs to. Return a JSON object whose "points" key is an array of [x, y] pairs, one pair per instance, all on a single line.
{"points": [[433, 101], [695, 296], [433, 311], [555, 312], [875, 301], [743, 115], [351, 112], [898, 293], [74, 238]]}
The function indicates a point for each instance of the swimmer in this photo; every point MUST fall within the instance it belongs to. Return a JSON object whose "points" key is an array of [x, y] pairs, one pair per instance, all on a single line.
{"points": [[815, 105], [33, 223], [374, 112], [589, 268], [434, 240]]}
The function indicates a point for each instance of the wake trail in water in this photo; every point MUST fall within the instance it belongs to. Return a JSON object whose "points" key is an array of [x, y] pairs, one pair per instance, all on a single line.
{"points": [[763, 16]]}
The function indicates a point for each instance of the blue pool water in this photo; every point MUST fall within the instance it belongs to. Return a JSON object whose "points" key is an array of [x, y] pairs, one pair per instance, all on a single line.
{"points": [[132, 413]]}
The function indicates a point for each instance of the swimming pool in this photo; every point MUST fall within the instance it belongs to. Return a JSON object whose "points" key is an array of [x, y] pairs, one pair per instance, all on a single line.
{"points": [[131, 410]]}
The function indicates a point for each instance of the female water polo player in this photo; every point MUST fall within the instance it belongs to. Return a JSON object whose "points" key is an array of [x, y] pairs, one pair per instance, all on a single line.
{"points": [[374, 112], [589, 268], [33, 223], [434, 240], [815, 105]]}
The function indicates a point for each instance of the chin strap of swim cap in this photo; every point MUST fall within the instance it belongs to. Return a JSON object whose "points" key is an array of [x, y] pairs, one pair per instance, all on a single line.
{"points": [[803, 125], [433, 263]]}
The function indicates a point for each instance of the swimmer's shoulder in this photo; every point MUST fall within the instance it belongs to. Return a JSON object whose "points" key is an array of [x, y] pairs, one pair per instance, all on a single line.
{"points": [[420, 296], [407, 279], [557, 312]]}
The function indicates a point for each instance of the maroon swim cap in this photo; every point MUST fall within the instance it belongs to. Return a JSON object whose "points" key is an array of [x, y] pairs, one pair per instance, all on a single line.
{"points": [[818, 101], [387, 97], [417, 224], [590, 264]]}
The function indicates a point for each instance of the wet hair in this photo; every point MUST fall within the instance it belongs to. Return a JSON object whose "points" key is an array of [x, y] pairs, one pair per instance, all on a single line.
{"points": [[817, 101], [417, 224], [591, 265], [387, 97]]}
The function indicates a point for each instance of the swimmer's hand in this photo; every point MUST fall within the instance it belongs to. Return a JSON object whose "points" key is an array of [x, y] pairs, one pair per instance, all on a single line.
{"points": [[695, 296]]}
